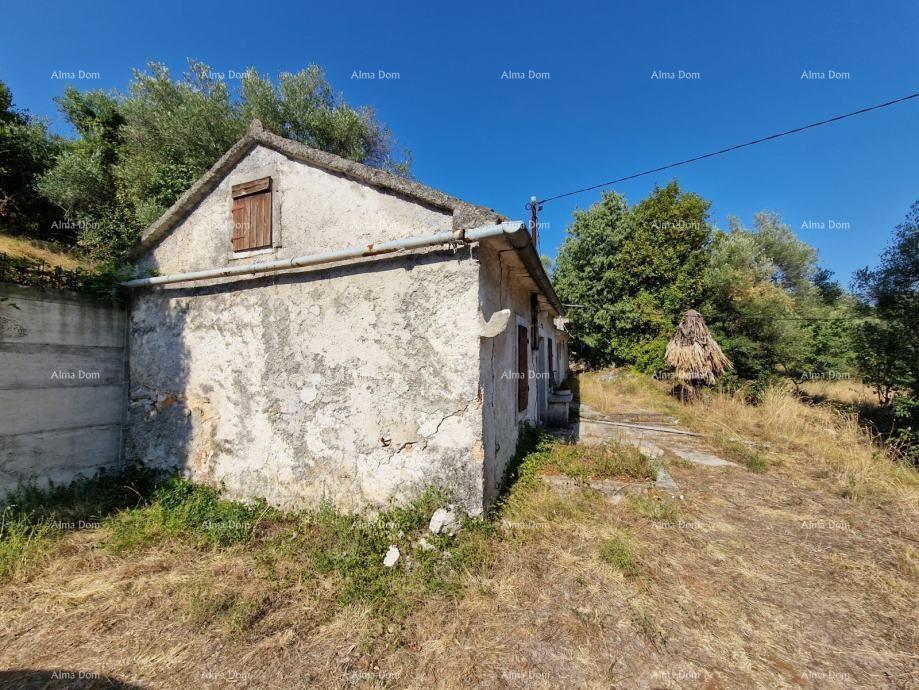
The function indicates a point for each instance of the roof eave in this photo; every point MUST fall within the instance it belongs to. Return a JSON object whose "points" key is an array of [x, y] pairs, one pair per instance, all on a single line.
{"points": [[465, 215]]}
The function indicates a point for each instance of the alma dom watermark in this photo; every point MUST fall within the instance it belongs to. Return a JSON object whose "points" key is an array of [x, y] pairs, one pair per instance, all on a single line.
{"points": [[78, 74], [679, 75], [828, 75], [375, 75], [526, 75], [825, 225]]}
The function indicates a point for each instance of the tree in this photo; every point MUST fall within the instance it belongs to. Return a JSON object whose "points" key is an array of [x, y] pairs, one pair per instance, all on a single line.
{"points": [[633, 271], [26, 152], [763, 298], [887, 346], [137, 153]]}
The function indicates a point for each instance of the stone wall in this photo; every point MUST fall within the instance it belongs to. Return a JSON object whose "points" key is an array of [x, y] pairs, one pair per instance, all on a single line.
{"points": [[62, 392]]}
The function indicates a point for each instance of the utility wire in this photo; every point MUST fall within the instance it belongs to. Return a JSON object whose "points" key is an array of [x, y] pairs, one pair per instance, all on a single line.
{"points": [[732, 148]]}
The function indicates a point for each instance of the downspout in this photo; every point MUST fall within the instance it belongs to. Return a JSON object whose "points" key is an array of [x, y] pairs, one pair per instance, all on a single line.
{"points": [[514, 231]]}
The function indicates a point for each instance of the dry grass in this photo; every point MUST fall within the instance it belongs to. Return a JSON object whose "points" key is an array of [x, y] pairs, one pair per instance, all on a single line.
{"points": [[771, 579], [847, 391], [43, 252], [801, 439]]}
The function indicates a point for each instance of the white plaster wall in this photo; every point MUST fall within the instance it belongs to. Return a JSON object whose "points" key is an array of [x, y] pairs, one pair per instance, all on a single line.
{"points": [[356, 383], [502, 288], [318, 211]]}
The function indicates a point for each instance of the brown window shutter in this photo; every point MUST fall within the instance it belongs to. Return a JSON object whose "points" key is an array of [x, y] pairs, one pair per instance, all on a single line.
{"points": [[251, 215], [523, 385]]}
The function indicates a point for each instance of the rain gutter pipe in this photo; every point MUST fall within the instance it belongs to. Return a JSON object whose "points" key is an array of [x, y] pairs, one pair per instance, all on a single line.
{"points": [[514, 231]]}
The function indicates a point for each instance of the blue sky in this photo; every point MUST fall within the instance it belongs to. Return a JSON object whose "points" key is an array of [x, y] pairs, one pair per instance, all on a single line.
{"points": [[596, 114]]}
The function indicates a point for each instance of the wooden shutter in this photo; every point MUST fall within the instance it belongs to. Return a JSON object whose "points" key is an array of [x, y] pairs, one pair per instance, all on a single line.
{"points": [[523, 385], [251, 215]]}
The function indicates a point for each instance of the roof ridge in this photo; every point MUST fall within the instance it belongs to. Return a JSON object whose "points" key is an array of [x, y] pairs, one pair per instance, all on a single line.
{"points": [[465, 215]]}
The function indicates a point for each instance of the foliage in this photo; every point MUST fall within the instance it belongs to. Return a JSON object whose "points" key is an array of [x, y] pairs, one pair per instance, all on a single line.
{"points": [[891, 294], [887, 343], [765, 305], [26, 152], [102, 281], [633, 270], [136, 153]]}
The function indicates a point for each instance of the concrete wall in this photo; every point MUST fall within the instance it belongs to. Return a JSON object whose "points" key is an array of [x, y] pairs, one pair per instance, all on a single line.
{"points": [[502, 287], [62, 387], [354, 383]]}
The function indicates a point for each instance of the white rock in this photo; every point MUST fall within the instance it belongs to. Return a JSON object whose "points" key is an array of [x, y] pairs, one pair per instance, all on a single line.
{"points": [[444, 521], [389, 560], [425, 544]]}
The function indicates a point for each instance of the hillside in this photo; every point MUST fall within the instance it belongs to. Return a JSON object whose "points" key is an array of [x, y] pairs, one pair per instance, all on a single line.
{"points": [[47, 253]]}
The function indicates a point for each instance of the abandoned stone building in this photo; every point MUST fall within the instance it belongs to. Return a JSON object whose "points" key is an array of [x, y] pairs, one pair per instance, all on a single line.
{"points": [[311, 328]]}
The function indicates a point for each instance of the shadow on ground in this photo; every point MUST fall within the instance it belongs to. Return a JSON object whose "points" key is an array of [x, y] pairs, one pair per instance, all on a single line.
{"points": [[34, 679]]}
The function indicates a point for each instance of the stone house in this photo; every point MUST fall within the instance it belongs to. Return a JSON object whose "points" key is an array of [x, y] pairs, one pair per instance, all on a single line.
{"points": [[318, 329]]}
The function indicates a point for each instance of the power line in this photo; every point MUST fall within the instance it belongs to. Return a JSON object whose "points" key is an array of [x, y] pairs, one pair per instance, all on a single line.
{"points": [[732, 148]]}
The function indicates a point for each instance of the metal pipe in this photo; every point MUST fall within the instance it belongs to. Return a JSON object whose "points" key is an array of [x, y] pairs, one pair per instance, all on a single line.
{"points": [[511, 229]]}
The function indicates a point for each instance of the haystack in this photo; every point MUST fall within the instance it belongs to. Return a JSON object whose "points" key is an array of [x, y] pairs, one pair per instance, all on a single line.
{"points": [[694, 354]]}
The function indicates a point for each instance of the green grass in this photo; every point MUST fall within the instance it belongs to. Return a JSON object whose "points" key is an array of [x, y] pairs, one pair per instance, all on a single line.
{"points": [[190, 514], [340, 554], [655, 507], [749, 457], [135, 512], [22, 541], [344, 549], [619, 553], [538, 452], [32, 518], [606, 461]]}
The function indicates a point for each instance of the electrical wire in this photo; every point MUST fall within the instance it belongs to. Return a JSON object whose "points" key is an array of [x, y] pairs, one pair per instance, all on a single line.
{"points": [[732, 148]]}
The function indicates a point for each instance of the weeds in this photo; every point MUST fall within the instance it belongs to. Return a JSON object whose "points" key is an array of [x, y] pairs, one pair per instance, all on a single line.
{"points": [[32, 517], [796, 433], [655, 507], [607, 461], [192, 514], [747, 456], [539, 452], [619, 553]]}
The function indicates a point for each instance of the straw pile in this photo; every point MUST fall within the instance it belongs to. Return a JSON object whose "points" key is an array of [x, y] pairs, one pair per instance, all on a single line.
{"points": [[694, 354]]}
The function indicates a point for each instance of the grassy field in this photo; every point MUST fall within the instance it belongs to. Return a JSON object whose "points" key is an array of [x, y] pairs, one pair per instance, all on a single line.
{"points": [[799, 569]]}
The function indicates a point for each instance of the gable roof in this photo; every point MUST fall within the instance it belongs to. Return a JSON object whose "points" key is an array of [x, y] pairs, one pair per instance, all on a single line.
{"points": [[465, 215]]}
